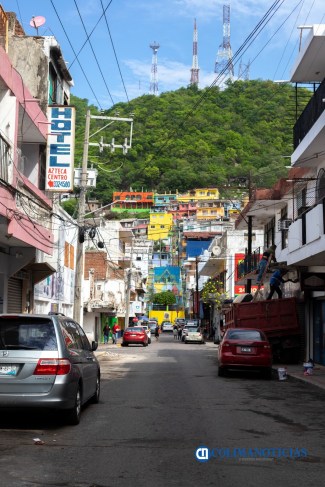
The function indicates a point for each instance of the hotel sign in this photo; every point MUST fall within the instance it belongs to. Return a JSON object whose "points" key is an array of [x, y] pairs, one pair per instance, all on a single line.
{"points": [[60, 149]]}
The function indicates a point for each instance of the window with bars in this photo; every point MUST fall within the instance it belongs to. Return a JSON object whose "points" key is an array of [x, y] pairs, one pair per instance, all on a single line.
{"points": [[4, 159]]}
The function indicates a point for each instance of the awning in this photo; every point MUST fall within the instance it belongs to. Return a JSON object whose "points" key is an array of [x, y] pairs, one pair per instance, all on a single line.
{"points": [[40, 271]]}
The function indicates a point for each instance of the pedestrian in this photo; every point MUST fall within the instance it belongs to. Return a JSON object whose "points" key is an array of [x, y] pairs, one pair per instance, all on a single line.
{"points": [[157, 332], [180, 333], [175, 332], [115, 331], [276, 281], [267, 257], [106, 331]]}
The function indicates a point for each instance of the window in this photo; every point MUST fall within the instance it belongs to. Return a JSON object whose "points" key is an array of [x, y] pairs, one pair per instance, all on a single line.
{"points": [[28, 334], [4, 159], [84, 339], [284, 233], [301, 201], [71, 335]]}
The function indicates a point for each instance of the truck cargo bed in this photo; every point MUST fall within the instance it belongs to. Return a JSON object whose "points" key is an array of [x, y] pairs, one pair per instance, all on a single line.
{"points": [[276, 317]]}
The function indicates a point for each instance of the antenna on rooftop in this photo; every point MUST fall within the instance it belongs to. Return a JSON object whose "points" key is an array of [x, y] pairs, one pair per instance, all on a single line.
{"points": [[37, 22]]}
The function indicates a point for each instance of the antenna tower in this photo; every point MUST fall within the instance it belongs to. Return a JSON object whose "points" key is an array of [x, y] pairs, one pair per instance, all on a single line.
{"points": [[195, 63], [224, 63], [243, 71], [154, 72]]}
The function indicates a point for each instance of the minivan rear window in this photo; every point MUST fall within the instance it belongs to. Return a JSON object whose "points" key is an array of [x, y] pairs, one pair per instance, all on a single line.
{"points": [[27, 334]]}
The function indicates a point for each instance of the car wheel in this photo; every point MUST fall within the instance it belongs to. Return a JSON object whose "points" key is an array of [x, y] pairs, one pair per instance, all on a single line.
{"points": [[185, 341], [145, 344], [222, 372], [149, 341], [95, 398], [74, 414]]}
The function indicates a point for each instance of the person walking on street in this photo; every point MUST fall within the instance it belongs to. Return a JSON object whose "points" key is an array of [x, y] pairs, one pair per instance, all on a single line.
{"points": [[115, 331], [106, 331], [179, 332], [157, 332], [175, 332]]}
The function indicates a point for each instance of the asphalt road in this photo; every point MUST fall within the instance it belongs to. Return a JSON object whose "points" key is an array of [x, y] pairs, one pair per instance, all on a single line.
{"points": [[158, 405]]}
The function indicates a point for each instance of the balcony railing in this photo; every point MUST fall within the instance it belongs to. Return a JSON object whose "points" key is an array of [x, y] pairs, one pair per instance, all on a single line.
{"points": [[249, 263], [309, 116]]}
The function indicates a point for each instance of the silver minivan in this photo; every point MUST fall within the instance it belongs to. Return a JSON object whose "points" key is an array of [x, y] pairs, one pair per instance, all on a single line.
{"points": [[46, 361]]}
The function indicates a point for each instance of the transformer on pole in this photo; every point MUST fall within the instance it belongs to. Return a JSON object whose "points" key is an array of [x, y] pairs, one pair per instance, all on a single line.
{"points": [[223, 64], [154, 72], [195, 63]]}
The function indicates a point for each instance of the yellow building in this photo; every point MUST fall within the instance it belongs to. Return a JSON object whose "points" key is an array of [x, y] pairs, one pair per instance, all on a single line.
{"points": [[199, 194], [210, 210], [160, 225]]}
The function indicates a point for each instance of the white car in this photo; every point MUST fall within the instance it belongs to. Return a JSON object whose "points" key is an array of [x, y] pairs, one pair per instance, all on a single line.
{"points": [[167, 326], [193, 334], [189, 325], [147, 330]]}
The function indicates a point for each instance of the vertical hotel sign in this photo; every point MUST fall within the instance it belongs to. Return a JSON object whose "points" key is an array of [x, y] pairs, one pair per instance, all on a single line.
{"points": [[60, 149]]}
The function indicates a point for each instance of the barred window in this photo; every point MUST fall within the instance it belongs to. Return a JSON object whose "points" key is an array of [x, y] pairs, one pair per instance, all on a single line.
{"points": [[4, 159]]}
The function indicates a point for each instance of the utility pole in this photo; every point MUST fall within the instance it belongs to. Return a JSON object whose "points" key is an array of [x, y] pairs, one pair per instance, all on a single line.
{"points": [[197, 314], [250, 238], [79, 275], [78, 296], [128, 290]]}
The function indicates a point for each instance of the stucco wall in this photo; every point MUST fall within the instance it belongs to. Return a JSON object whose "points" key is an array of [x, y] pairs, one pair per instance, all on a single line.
{"points": [[28, 58]]}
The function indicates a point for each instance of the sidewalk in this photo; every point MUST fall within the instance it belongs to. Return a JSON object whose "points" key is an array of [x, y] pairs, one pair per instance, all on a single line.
{"points": [[107, 347], [296, 371]]}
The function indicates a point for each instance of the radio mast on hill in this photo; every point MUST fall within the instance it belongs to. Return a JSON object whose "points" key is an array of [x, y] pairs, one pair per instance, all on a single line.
{"points": [[224, 63], [195, 63], [154, 72]]}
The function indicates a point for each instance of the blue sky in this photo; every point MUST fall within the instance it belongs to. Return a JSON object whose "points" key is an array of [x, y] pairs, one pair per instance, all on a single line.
{"points": [[134, 24]]}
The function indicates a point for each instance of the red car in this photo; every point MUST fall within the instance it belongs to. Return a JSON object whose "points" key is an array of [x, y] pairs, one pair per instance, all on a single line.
{"points": [[245, 349], [135, 336]]}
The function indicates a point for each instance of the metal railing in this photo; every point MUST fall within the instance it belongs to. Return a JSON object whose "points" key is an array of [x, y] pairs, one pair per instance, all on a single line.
{"points": [[308, 117], [249, 263]]}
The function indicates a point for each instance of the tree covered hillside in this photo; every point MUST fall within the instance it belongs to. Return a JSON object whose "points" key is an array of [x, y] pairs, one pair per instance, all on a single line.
{"points": [[193, 138]]}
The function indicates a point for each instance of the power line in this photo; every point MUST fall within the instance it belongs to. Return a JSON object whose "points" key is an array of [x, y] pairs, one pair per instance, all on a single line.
{"points": [[83, 71], [93, 51]]}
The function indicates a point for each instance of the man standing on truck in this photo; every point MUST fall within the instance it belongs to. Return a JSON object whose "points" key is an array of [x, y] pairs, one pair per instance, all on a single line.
{"points": [[276, 281]]}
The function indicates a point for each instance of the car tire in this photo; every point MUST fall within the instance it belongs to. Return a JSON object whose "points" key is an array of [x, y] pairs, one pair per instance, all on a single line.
{"points": [[185, 341], [73, 415], [145, 344], [222, 372], [149, 341], [95, 398]]}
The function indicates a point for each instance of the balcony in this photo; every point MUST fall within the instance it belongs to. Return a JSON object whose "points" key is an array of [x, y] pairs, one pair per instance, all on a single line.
{"points": [[249, 264], [306, 237], [310, 115]]}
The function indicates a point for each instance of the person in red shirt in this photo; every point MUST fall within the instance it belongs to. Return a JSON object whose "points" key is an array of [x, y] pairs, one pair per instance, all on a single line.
{"points": [[115, 331]]}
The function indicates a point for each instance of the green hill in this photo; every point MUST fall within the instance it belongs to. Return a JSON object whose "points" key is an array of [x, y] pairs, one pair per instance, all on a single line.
{"points": [[193, 138]]}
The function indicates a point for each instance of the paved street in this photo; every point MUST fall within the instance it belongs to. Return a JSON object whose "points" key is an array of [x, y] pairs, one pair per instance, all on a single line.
{"points": [[158, 405]]}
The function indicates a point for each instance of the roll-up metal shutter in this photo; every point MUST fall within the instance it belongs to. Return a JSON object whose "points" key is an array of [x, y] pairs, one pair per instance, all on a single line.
{"points": [[14, 295]]}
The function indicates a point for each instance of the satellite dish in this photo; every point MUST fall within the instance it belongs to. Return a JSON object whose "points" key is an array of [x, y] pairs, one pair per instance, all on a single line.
{"points": [[216, 250], [37, 22]]}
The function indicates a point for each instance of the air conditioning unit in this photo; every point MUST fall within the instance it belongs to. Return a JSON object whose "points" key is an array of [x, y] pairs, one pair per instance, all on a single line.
{"points": [[284, 224]]}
